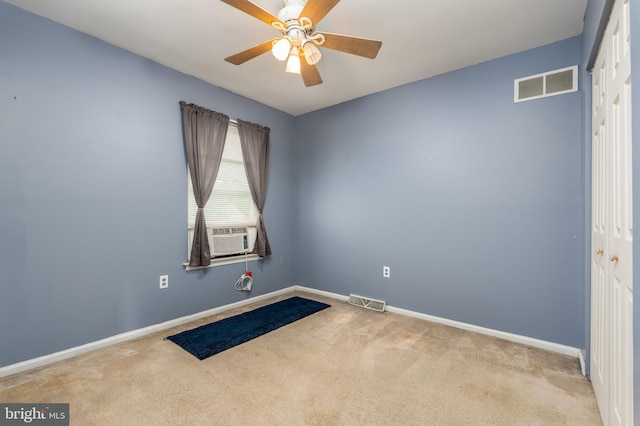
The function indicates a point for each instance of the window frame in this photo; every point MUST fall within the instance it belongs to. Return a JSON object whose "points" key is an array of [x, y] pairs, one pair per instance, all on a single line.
{"points": [[250, 224]]}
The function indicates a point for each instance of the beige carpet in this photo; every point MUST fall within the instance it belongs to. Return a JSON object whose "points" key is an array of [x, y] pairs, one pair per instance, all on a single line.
{"points": [[342, 366]]}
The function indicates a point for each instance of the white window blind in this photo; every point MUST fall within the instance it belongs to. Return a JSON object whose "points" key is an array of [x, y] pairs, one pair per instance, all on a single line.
{"points": [[230, 203]]}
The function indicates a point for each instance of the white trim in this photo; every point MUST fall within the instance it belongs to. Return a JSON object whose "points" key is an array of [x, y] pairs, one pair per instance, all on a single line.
{"points": [[583, 364], [130, 335], [321, 293], [536, 343], [524, 340], [223, 261], [134, 334]]}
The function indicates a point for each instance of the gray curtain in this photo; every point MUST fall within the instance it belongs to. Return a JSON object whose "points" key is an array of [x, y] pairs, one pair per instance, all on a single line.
{"points": [[204, 135], [254, 140]]}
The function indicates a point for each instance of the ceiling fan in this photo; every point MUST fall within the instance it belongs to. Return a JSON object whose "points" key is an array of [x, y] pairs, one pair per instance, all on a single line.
{"points": [[299, 43]]}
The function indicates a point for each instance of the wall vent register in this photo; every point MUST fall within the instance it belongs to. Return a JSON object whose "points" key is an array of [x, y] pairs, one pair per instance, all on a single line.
{"points": [[376, 305], [547, 84]]}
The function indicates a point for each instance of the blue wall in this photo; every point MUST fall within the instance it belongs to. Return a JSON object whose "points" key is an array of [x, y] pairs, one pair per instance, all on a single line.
{"points": [[476, 203], [473, 201], [93, 190]]}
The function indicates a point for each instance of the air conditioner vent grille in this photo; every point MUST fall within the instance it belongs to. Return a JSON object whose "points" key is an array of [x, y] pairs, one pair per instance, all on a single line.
{"points": [[220, 231], [228, 231]]}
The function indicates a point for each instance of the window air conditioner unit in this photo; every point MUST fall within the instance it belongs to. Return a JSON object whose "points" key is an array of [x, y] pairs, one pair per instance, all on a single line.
{"points": [[225, 241]]}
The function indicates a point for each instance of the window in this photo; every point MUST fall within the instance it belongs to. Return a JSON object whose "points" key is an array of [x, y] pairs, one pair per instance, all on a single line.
{"points": [[230, 204]]}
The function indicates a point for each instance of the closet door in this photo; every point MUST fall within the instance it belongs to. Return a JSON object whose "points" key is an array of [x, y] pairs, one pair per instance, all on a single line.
{"points": [[612, 228], [621, 232], [599, 238]]}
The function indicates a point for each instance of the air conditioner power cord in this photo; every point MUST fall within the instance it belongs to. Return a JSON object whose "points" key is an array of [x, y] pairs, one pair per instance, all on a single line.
{"points": [[245, 281]]}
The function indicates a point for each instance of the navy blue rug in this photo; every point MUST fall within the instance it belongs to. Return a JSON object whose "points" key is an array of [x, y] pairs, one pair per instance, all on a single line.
{"points": [[210, 339]]}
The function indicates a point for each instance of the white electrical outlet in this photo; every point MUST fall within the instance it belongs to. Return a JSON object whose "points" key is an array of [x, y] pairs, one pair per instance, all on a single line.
{"points": [[164, 281], [386, 271]]}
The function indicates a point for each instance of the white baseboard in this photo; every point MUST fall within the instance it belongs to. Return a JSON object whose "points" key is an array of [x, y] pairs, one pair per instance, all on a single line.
{"points": [[134, 334], [130, 335], [536, 343], [530, 341], [321, 293]]}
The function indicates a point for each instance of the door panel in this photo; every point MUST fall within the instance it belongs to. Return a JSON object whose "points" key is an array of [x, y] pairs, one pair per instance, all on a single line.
{"points": [[612, 228], [599, 238], [621, 238]]}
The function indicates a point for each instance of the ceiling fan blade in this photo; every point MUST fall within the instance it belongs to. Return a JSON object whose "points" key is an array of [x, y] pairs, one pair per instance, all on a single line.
{"points": [[317, 9], [254, 10], [244, 56], [353, 45], [310, 74]]}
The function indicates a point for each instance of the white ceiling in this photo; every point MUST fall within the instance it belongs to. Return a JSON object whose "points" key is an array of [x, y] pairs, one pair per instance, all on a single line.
{"points": [[421, 38]]}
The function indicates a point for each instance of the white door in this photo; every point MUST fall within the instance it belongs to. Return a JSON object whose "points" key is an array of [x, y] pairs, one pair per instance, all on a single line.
{"points": [[599, 238], [612, 228], [621, 235]]}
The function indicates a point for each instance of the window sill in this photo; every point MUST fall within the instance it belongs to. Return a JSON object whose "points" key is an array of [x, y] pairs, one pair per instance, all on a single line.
{"points": [[223, 261]]}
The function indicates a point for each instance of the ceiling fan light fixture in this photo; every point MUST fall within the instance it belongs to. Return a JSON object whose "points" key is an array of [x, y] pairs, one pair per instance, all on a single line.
{"points": [[296, 22], [311, 53], [281, 49], [293, 64]]}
